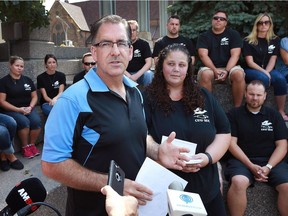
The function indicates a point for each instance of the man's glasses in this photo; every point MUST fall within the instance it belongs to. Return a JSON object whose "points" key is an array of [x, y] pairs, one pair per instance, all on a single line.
{"points": [[109, 44], [219, 18], [89, 63], [267, 22]]}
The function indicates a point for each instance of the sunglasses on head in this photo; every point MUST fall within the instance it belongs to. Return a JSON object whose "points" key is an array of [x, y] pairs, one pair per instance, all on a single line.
{"points": [[267, 22], [89, 63], [219, 18]]}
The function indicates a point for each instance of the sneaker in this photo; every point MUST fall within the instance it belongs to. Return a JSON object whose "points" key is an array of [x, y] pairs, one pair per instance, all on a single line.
{"points": [[4, 165], [17, 165], [27, 153], [34, 150]]}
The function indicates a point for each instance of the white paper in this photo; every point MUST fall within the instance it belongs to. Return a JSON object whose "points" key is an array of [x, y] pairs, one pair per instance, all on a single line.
{"points": [[182, 143], [157, 178]]}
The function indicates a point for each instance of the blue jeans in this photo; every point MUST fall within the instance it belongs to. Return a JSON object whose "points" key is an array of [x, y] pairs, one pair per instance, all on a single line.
{"points": [[278, 81], [7, 132], [46, 108], [146, 78], [32, 121]]}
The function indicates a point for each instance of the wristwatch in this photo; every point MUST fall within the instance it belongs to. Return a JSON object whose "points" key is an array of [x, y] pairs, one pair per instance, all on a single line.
{"points": [[269, 166]]}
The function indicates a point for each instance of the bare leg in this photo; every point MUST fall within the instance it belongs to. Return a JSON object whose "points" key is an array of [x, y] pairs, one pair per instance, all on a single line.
{"points": [[34, 134], [282, 199], [280, 102], [11, 157], [23, 135], [206, 79], [238, 87], [236, 195]]}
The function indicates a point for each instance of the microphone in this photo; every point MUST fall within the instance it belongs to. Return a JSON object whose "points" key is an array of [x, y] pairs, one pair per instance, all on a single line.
{"points": [[181, 203], [24, 193], [175, 185]]}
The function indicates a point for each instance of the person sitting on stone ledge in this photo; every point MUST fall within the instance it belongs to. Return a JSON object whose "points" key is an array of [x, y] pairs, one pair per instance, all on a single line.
{"points": [[282, 60], [8, 128], [258, 148], [87, 62], [219, 50], [18, 98], [139, 66], [260, 49], [51, 84]]}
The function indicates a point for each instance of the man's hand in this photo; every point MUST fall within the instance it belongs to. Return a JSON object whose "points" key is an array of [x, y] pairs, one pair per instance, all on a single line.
{"points": [[260, 173], [221, 75], [137, 190], [117, 205], [170, 155]]}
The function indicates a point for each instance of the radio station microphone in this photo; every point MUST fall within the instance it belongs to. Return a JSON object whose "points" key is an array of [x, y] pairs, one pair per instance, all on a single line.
{"points": [[26, 192], [182, 203]]}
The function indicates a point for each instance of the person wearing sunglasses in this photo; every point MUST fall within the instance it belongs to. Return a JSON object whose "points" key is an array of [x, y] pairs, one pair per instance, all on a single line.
{"points": [[260, 50], [51, 84], [87, 62], [139, 67], [219, 50]]}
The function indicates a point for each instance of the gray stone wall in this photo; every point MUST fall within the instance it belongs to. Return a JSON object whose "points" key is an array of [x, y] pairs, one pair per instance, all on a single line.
{"points": [[69, 62]]}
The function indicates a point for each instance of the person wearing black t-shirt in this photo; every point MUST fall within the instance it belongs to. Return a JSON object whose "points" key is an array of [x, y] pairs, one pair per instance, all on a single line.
{"points": [[173, 102], [173, 28], [261, 48], [219, 50], [51, 84], [87, 62], [18, 98], [258, 147], [139, 67]]}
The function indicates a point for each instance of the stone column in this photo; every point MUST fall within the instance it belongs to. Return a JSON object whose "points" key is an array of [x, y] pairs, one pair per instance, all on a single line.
{"points": [[143, 15], [107, 7], [163, 16]]}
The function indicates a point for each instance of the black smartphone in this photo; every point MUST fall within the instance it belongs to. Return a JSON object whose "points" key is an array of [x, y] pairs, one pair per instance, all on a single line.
{"points": [[116, 177]]}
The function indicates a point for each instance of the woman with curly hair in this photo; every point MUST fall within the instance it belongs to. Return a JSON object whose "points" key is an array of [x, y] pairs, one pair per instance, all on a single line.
{"points": [[260, 49], [174, 102]]}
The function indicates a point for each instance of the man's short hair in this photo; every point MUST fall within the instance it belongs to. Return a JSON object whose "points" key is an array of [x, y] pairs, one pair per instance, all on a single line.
{"points": [[221, 11], [173, 17], [115, 19], [256, 82], [85, 55]]}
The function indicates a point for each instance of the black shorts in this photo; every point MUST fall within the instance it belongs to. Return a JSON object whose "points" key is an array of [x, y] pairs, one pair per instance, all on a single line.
{"points": [[277, 176]]}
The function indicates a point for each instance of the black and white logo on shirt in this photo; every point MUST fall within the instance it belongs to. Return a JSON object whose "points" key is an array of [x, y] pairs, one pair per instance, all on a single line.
{"points": [[224, 41], [56, 84], [271, 49], [137, 53], [27, 87], [266, 126], [200, 115]]}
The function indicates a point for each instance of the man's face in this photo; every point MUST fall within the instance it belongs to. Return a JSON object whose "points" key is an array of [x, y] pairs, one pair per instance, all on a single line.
{"points": [[88, 62], [134, 32], [112, 61], [255, 96], [173, 26], [219, 21]]}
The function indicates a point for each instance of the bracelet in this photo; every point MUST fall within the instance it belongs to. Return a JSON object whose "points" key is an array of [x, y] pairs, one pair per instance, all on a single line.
{"points": [[210, 161]]}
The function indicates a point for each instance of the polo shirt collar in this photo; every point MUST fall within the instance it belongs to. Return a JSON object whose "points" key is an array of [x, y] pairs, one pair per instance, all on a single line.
{"points": [[262, 110], [97, 85]]}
